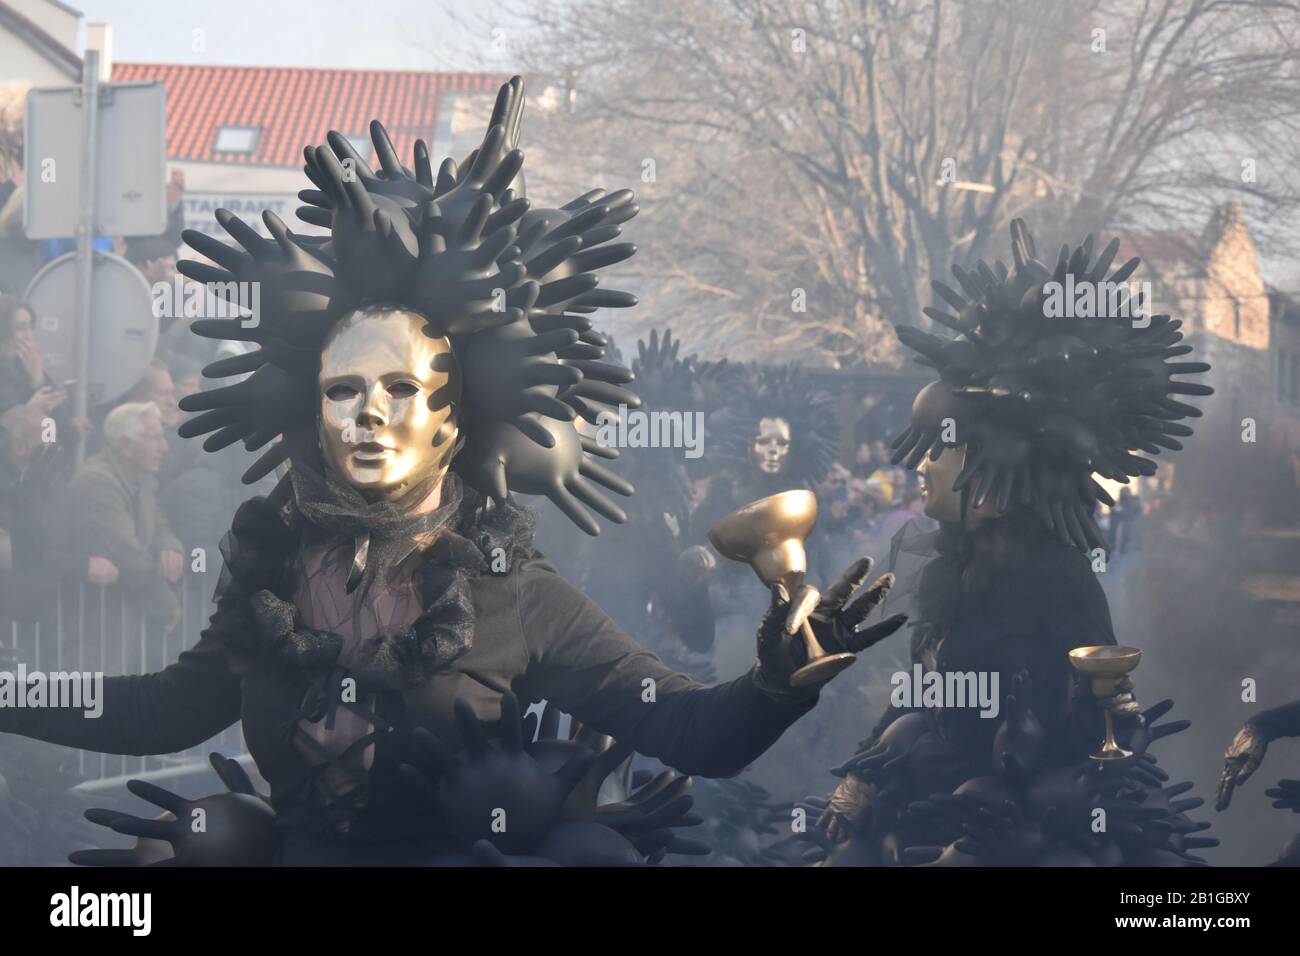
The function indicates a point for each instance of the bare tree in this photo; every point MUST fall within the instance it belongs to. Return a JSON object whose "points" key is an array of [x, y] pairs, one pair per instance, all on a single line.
{"points": [[806, 167]]}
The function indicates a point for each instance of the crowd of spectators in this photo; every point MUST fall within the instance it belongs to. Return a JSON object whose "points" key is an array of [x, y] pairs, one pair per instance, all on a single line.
{"points": [[130, 519], [102, 517], [127, 519], [864, 504]]}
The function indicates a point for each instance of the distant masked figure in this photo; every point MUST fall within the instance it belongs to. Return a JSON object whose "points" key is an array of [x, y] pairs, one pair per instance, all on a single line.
{"points": [[778, 431], [1029, 409]]}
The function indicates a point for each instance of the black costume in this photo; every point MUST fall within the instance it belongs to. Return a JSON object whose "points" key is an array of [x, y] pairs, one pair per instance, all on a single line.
{"points": [[426, 613], [533, 634], [1040, 404]]}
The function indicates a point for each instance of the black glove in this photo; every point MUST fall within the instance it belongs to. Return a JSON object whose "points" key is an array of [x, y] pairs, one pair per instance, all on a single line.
{"points": [[781, 648], [226, 829], [1285, 796]]}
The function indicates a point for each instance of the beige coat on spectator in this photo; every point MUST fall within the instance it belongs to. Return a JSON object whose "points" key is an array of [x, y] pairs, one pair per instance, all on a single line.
{"points": [[115, 515]]}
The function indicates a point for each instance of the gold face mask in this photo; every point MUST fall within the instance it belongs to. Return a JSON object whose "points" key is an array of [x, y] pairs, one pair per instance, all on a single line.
{"points": [[771, 449], [388, 398]]}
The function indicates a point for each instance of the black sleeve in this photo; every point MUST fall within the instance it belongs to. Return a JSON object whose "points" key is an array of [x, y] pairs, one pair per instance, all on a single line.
{"points": [[1067, 600], [174, 709], [580, 661], [1071, 611], [1281, 721]]}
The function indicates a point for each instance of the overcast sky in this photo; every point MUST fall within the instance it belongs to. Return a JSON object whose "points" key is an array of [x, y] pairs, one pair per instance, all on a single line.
{"points": [[383, 34]]}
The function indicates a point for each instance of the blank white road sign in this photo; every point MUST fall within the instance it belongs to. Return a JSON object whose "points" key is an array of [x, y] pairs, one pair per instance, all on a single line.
{"points": [[131, 161]]}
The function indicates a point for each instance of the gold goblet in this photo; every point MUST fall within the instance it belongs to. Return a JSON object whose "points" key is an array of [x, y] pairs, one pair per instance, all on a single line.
{"points": [[768, 535], [1105, 666]]}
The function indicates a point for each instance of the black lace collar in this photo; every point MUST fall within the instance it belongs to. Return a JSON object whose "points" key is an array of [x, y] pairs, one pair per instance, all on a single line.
{"points": [[263, 541]]}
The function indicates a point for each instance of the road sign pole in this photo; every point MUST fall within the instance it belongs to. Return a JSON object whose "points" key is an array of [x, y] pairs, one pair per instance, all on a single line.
{"points": [[86, 232]]}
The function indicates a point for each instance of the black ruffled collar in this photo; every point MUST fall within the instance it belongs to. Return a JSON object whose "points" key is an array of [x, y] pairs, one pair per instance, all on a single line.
{"points": [[264, 540]]}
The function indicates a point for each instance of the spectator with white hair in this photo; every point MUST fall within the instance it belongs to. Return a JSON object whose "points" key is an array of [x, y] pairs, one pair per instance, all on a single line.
{"points": [[112, 509]]}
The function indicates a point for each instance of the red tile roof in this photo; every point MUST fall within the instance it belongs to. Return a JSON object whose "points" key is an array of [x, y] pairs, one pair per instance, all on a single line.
{"points": [[295, 107]]}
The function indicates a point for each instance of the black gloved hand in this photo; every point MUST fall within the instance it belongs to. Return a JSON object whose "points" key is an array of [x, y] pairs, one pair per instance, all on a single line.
{"points": [[1147, 730], [226, 829], [781, 648], [1285, 796]]}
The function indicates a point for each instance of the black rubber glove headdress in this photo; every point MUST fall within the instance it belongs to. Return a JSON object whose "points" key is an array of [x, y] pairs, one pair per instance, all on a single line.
{"points": [[1041, 402], [511, 288]]}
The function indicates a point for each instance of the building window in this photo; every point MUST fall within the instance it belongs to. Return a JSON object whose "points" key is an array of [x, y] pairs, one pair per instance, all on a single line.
{"points": [[236, 139], [362, 144]]}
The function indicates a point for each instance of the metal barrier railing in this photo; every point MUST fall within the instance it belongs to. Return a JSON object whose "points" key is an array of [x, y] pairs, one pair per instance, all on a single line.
{"points": [[99, 629]]}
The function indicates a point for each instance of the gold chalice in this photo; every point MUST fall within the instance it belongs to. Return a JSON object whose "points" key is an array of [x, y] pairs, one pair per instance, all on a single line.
{"points": [[1105, 666], [768, 535]]}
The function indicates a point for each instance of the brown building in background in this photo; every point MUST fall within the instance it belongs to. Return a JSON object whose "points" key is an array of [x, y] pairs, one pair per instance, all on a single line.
{"points": [[1237, 497], [1248, 331]]}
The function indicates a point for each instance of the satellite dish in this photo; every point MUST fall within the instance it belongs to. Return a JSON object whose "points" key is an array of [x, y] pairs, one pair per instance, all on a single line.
{"points": [[123, 328]]}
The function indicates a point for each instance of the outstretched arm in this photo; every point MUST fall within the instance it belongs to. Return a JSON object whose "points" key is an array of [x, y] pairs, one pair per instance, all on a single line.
{"points": [[1278, 722], [582, 663], [171, 710], [1250, 744]]}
